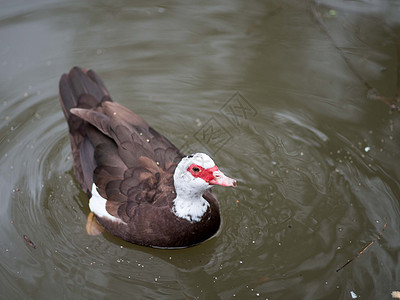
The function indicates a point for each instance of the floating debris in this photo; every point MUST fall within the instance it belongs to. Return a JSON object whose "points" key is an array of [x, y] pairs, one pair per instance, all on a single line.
{"points": [[363, 250], [353, 295], [29, 242]]}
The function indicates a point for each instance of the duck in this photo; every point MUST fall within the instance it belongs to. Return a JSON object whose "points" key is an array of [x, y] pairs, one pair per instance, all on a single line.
{"points": [[141, 188]]}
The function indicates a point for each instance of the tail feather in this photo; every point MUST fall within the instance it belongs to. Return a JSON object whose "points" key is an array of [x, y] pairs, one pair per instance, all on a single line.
{"points": [[78, 83], [81, 84], [93, 76], [67, 98], [82, 89]]}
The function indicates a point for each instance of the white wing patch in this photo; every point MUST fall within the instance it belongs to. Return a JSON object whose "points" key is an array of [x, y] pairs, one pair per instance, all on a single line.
{"points": [[97, 205]]}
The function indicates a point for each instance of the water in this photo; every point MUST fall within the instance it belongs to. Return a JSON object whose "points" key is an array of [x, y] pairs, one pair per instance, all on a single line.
{"points": [[265, 89]]}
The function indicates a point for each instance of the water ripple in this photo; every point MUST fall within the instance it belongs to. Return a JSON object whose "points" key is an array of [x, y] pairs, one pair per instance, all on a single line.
{"points": [[315, 162]]}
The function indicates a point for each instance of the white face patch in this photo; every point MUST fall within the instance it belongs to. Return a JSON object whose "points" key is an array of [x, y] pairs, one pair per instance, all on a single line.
{"points": [[97, 205], [189, 203], [200, 159], [183, 180]]}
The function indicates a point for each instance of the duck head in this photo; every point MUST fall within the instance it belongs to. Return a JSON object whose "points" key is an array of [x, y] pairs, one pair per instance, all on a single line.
{"points": [[193, 176], [197, 172]]}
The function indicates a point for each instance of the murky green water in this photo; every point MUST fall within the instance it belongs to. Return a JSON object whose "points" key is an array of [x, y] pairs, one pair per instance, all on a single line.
{"points": [[265, 89]]}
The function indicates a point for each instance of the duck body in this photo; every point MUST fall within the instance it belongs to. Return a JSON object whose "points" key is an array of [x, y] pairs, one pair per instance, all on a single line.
{"points": [[130, 171]]}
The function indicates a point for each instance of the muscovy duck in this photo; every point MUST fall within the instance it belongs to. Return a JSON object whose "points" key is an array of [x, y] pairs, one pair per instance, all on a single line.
{"points": [[141, 188]]}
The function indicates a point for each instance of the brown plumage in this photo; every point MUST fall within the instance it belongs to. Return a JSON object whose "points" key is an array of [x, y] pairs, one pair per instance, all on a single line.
{"points": [[131, 164]]}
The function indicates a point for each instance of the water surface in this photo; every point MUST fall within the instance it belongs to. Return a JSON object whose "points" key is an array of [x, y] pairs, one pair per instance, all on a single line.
{"points": [[276, 92]]}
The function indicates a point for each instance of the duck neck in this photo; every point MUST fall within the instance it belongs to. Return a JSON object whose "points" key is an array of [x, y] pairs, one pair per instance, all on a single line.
{"points": [[189, 205]]}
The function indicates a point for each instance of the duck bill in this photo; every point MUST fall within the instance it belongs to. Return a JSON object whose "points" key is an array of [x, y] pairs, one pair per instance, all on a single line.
{"points": [[221, 179]]}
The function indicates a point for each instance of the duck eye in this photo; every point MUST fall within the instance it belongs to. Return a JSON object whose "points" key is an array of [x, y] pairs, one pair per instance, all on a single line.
{"points": [[196, 169]]}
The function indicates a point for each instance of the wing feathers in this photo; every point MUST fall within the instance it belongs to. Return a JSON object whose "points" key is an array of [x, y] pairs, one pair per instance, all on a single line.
{"points": [[87, 162], [113, 191], [106, 154], [129, 162], [123, 114], [97, 119]]}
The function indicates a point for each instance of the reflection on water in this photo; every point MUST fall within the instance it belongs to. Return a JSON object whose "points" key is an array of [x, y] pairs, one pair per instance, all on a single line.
{"points": [[317, 161]]}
